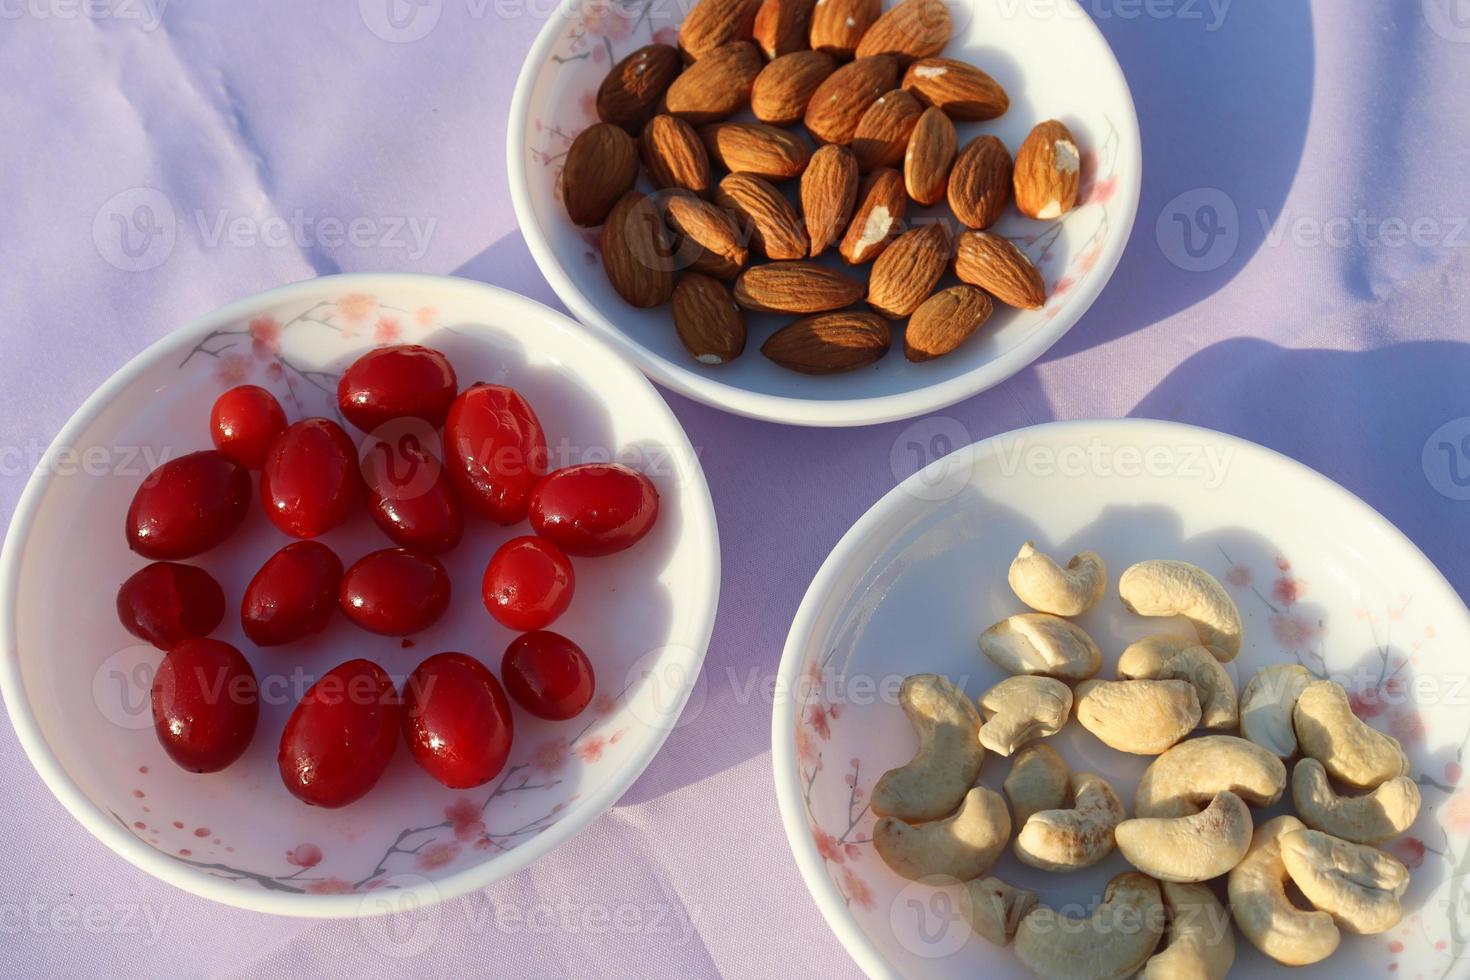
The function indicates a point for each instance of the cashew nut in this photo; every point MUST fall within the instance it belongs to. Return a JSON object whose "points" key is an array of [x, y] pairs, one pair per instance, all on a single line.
{"points": [[1114, 941], [1047, 587], [1066, 840], [1372, 819], [948, 760], [1258, 900], [1141, 717], [1194, 848], [1188, 776], [1359, 886], [1352, 751], [1176, 588], [1201, 943], [1037, 643], [1266, 706], [1162, 658], [1022, 709], [1037, 781], [995, 909], [962, 847]]}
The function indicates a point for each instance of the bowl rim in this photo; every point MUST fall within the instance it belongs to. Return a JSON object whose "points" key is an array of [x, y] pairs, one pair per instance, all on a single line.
{"points": [[697, 506], [783, 715], [703, 387]]}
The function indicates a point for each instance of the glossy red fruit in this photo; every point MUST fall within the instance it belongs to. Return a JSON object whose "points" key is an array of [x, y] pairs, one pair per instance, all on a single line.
{"points": [[495, 451], [395, 592], [594, 509], [294, 595], [310, 481], [405, 381], [205, 704], [410, 497], [548, 675], [456, 720], [339, 740], [166, 604], [245, 422], [528, 584], [188, 505]]}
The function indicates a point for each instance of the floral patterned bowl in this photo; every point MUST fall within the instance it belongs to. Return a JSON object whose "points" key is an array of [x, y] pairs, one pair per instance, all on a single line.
{"points": [[76, 684], [1053, 62], [1320, 579]]}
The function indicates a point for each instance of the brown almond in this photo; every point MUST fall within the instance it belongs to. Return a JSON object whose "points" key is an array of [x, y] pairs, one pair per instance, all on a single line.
{"points": [[830, 343], [782, 26], [764, 216], [908, 270], [930, 155], [601, 166], [1048, 172], [943, 322], [707, 319], [710, 241], [755, 148], [829, 191], [712, 24], [636, 252], [878, 218], [675, 156], [997, 266], [795, 287], [912, 30], [785, 86], [980, 183], [717, 85], [964, 92], [839, 102], [838, 25], [629, 95], [883, 133]]}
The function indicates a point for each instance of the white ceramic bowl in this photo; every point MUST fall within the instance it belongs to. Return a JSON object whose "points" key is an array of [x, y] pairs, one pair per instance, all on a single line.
{"points": [[1319, 577], [1051, 59], [76, 684]]}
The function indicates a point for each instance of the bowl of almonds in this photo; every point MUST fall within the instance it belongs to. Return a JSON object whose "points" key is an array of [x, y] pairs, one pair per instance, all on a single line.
{"points": [[825, 212]]}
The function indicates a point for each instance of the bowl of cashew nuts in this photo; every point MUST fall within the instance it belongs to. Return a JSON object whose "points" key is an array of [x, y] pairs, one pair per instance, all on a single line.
{"points": [[1202, 716]]}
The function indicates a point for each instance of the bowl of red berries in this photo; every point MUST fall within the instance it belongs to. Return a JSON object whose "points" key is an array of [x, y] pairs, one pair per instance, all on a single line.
{"points": [[357, 595]]}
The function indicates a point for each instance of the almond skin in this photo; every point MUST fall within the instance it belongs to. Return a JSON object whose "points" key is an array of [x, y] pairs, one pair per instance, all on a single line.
{"points": [[883, 132], [675, 156], [997, 266], [980, 183], [838, 104], [1048, 172], [829, 190], [912, 30], [830, 343], [713, 24], [710, 240], [908, 270], [716, 86], [795, 287], [782, 26], [784, 87], [629, 95], [930, 155], [964, 92], [636, 253], [838, 25], [755, 148], [878, 218], [943, 322], [764, 216], [707, 319], [601, 166]]}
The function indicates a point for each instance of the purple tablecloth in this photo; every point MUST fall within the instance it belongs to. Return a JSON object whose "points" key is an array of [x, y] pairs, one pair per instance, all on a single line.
{"points": [[1298, 276]]}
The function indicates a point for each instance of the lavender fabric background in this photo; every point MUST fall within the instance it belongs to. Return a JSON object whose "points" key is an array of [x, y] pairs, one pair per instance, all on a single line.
{"points": [[1320, 308]]}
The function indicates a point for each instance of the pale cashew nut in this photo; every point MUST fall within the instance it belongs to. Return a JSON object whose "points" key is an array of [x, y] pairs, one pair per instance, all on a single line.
{"points": [[1037, 643], [1359, 886], [1195, 848], [1372, 819], [1353, 752], [1114, 941], [1160, 658], [1037, 781], [1264, 913], [1047, 587], [948, 759], [1079, 837], [994, 909], [1266, 706], [1187, 777], [1141, 717], [1161, 587], [962, 847], [1023, 709], [1201, 943]]}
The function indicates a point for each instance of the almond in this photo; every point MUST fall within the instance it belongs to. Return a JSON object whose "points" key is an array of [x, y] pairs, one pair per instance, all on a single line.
{"points": [[785, 86], [883, 133], [630, 92], [980, 183], [830, 343], [636, 253], [755, 148], [675, 155], [930, 154], [943, 322], [997, 266], [839, 102], [781, 26], [716, 86], [1048, 171], [912, 30], [838, 25], [710, 240], [767, 219], [707, 319], [908, 270], [601, 166], [964, 92], [713, 24], [829, 191], [877, 219], [795, 287]]}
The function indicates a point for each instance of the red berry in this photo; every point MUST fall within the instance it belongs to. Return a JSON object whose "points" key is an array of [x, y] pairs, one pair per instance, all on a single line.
{"points": [[594, 509], [406, 381], [339, 740], [548, 675], [310, 482], [528, 584], [495, 451], [293, 595], [245, 421], [166, 604], [205, 704], [456, 720], [410, 497], [188, 505], [395, 592]]}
